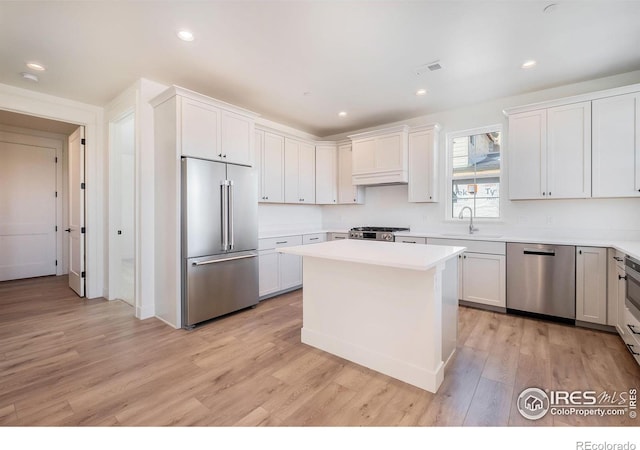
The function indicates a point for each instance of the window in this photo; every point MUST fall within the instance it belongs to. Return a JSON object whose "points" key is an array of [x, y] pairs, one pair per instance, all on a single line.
{"points": [[474, 164]]}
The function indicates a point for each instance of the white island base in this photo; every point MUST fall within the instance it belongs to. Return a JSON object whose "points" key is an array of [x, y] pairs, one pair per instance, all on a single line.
{"points": [[393, 314]]}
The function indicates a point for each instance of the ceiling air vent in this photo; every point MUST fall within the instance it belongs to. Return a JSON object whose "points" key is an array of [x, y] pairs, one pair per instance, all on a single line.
{"points": [[430, 67]]}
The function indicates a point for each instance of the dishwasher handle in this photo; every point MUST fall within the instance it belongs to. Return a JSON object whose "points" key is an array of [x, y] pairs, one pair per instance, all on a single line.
{"points": [[539, 252]]}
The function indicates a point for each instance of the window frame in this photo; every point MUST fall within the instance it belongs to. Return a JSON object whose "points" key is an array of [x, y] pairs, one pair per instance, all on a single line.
{"points": [[449, 167]]}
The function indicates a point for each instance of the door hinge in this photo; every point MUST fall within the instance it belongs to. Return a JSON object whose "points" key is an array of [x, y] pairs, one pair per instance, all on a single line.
{"points": [[82, 230], [82, 185], [56, 227], [82, 275], [83, 141], [56, 194], [56, 262], [56, 160]]}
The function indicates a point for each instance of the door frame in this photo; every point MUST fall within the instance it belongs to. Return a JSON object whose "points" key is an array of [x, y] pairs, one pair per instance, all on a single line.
{"points": [[33, 103]]}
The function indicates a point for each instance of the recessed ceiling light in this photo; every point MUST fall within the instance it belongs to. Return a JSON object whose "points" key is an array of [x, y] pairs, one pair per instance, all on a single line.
{"points": [[421, 92], [35, 66], [30, 76], [185, 35], [529, 64], [342, 114]]}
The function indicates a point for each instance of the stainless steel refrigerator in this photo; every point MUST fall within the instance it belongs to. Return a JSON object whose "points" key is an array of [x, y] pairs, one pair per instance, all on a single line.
{"points": [[219, 239]]}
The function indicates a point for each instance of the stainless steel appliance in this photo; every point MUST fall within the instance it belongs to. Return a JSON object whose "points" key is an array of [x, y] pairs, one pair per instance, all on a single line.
{"points": [[219, 239], [541, 279], [632, 272], [374, 233]]}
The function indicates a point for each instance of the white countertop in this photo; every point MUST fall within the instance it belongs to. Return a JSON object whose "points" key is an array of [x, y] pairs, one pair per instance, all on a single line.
{"points": [[631, 248], [389, 254], [279, 234]]}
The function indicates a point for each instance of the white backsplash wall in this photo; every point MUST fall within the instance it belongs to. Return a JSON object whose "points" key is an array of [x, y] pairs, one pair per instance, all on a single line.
{"points": [[597, 218], [275, 218]]}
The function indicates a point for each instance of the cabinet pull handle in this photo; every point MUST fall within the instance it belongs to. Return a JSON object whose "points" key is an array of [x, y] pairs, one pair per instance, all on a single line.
{"points": [[544, 193], [617, 258], [632, 329], [281, 242], [465, 256], [409, 242], [549, 193], [620, 277], [630, 347], [313, 239], [220, 155]]}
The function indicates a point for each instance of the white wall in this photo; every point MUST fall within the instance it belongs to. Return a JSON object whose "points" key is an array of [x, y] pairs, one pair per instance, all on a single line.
{"points": [[388, 206], [285, 218]]}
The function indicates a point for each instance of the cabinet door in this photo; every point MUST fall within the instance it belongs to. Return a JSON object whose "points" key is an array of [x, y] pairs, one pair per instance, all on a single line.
{"points": [[306, 173], [527, 155], [591, 284], [268, 273], [200, 124], [290, 271], [258, 151], [364, 156], [347, 191], [622, 295], [616, 147], [422, 167], [483, 279], [272, 161], [388, 152], [291, 167], [236, 138], [569, 151], [326, 174]]}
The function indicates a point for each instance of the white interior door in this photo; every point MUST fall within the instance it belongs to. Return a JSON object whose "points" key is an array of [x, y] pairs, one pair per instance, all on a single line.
{"points": [[76, 212], [123, 178], [27, 211]]}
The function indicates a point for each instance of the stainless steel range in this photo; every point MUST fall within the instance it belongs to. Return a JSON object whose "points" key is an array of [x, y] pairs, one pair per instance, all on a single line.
{"points": [[375, 233]]}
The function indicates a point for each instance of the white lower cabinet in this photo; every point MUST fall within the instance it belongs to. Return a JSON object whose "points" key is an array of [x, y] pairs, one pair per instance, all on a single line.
{"points": [[481, 272], [483, 279], [591, 285], [337, 236], [279, 272]]}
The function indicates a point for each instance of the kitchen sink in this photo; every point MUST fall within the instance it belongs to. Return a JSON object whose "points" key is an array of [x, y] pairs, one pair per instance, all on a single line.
{"points": [[472, 236]]}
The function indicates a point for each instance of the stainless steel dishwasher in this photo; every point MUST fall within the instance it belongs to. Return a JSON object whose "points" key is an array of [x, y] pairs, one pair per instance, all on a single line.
{"points": [[541, 279]]}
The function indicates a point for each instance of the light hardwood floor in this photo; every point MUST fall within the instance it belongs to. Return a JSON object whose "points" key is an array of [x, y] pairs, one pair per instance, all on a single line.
{"points": [[69, 361]]}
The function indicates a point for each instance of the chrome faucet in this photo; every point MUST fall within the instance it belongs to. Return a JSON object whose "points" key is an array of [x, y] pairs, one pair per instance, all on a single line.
{"points": [[460, 216]]}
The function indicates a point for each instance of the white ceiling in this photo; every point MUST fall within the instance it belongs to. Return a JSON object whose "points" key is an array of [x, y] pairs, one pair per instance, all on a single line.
{"points": [[352, 56]]}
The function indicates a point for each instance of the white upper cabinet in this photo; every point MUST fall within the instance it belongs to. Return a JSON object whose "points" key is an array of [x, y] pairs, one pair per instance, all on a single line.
{"points": [[550, 153], [347, 191], [569, 151], [326, 174], [380, 156], [200, 125], [236, 134], [270, 161], [210, 129], [299, 172], [423, 164], [616, 146], [527, 154]]}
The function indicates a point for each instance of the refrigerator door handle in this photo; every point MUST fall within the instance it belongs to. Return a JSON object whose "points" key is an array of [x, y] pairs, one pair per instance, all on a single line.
{"points": [[225, 214], [213, 261], [230, 209]]}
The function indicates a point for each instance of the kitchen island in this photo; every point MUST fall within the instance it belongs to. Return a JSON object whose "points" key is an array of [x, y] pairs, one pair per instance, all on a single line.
{"points": [[391, 307]]}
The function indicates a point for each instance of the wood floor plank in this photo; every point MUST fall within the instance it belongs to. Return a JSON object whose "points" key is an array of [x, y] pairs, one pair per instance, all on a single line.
{"points": [[67, 361], [491, 404]]}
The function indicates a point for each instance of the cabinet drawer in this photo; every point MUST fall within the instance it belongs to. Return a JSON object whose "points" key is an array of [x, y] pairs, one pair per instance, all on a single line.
{"points": [[277, 242], [338, 236], [314, 238], [488, 247], [632, 326], [411, 240]]}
